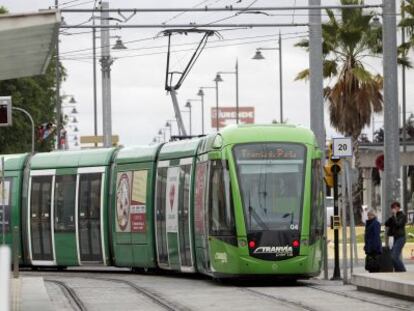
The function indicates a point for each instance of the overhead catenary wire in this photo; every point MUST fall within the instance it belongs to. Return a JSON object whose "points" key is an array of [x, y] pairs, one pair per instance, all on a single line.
{"points": [[284, 35], [186, 50]]}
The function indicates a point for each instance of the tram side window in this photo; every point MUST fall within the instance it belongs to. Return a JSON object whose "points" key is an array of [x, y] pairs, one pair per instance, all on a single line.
{"points": [[221, 218], [160, 214], [317, 212], [8, 184], [65, 192], [200, 198]]}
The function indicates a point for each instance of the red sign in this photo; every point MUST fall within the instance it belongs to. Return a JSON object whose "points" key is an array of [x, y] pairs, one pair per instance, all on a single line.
{"points": [[227, 115], [138, 223]]}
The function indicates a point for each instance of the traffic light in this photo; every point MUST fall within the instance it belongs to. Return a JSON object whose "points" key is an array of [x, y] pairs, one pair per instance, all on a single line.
{"points": [[332, 166], [5, 111]]}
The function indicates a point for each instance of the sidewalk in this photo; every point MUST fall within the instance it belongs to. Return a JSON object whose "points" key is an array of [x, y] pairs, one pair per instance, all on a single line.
{"points": [[29, 294], [396, 284]]}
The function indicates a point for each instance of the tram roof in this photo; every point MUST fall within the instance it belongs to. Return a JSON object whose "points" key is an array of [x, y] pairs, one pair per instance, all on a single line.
{"points": [[135, 154], [179, 149], [63, 159], [14, 162], [238, 134]]}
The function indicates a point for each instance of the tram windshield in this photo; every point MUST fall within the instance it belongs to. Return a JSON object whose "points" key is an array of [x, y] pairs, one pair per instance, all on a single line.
{"points": [[271, 178]]}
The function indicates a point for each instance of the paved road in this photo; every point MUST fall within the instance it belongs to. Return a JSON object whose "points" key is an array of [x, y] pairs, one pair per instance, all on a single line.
{"points": [[122, 290]]}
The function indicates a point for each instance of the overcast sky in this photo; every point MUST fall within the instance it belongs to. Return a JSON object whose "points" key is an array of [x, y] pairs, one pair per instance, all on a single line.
{"points": [[141, 106]]}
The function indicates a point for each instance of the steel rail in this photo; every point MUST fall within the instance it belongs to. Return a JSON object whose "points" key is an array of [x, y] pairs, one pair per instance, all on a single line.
{"points": [[155, 297], [371, 301], [245, 25], [226, 9], [69, 292], [280, 299]]}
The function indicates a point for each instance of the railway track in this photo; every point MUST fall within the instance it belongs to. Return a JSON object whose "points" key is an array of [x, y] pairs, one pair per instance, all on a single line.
{"points": [[70, 294], [153, 296], [293, 303], [370, 301]]}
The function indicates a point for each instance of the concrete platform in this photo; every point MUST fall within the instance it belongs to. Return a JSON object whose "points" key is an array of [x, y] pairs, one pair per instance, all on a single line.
{"points": [[399, 285], [29, 294]]}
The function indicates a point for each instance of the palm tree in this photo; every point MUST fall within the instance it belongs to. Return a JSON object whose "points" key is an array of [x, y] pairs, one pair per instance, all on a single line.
{"points": [[407, 8], [353, 93]]}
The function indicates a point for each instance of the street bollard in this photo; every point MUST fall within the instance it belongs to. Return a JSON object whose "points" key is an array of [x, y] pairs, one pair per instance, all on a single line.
{"points": [[16, 257], [5, 262]]}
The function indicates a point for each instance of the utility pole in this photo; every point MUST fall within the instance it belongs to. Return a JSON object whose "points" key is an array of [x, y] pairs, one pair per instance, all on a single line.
{"points": [[280, 79], [106, 62], [391, 128], [217, 106], [237, 91], [404, 122], [317, 120], [57, 95], [95, 102]]}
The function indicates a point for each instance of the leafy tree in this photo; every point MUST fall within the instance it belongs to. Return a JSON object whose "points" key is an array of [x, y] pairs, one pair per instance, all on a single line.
{"points": [[407, 7], [355, 92], [352, 92], [37, 96]]}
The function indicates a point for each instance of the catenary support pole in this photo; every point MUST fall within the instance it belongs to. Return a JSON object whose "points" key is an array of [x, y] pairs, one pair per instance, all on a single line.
{"points": [[106, 62], [280, 79], [404, 124], [316, 91], [57, 91], [95, 99], [217, 107], [237, 91], [391, 124]]}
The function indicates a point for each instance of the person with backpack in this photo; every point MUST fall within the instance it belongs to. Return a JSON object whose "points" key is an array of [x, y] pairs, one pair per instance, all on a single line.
{"points": [[373, 246], [396, 228]]}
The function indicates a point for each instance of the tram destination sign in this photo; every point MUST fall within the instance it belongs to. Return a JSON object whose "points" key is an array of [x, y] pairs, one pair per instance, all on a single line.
{"points": [[342, 147], [227, 116]]}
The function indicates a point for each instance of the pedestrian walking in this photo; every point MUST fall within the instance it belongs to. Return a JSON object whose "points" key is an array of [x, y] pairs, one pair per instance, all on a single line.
{"points": [[396, 228], [373, 246]]}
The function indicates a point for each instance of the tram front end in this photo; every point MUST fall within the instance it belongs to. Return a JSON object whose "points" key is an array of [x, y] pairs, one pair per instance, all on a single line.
{"points": [[271, 222]]}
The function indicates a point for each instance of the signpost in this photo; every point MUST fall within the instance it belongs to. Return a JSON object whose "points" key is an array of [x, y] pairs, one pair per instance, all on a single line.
{"points": [[342, 148], [228, 115], [5, 111]]}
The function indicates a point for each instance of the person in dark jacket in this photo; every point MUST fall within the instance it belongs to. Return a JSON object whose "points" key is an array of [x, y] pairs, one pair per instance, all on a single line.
{"points": [[373, 246], [396, 228]]}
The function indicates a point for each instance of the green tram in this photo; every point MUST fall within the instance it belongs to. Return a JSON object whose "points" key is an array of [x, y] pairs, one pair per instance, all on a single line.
{"points": [[246, 201]]}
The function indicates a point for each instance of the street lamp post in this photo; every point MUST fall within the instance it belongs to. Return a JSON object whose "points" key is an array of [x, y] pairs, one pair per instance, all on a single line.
{"points": [[162, 132], [202, 108], [259, 56], [32, 123], [236, 73], [217, 79], [188, 105], [201, 94]]}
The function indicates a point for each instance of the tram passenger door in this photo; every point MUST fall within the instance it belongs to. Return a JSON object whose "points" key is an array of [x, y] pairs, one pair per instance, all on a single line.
{"points": [[183, 219], [89, 218], [40, 208]]}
